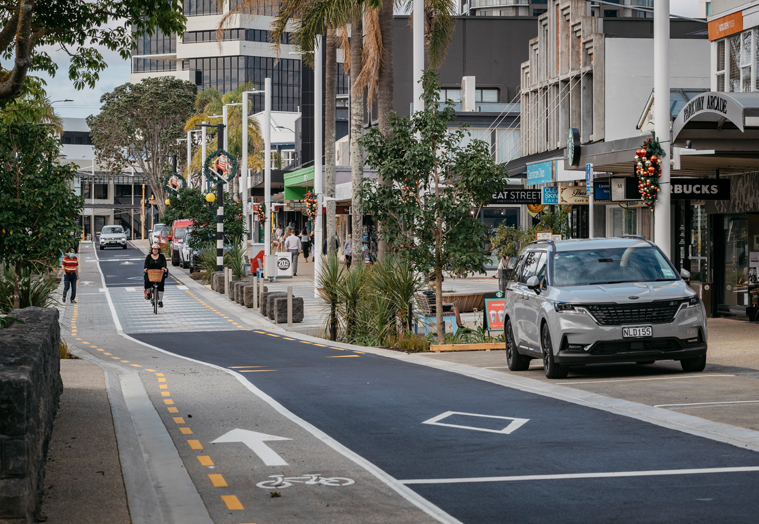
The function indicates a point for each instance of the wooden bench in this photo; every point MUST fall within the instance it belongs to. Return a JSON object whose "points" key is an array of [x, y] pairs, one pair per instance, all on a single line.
{"points": [[427, 313]]}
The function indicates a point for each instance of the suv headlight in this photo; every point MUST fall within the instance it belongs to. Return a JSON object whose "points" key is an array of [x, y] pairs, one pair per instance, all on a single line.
{"points": [[693, 301]]}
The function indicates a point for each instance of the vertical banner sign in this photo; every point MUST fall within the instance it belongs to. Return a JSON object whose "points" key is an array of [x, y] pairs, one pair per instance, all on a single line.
{"points": [[588, 178], [495, 312]]}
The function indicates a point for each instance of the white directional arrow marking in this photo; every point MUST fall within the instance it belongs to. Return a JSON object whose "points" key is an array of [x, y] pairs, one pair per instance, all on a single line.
{"points": [[513, 425], [255, 441]]}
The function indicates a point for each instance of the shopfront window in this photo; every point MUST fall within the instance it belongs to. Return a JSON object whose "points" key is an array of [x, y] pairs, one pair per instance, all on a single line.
{"points": [[736, 260], [700, 246], [621, 221]]}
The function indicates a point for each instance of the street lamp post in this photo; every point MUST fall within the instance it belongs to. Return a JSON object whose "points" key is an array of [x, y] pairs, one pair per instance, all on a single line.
{"points": [[267, 164], [318, 173], [662, 212]]}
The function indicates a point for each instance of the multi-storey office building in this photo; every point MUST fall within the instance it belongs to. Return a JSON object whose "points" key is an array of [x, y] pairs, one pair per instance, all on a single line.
{"points": [[607, 9], [244, 54]]}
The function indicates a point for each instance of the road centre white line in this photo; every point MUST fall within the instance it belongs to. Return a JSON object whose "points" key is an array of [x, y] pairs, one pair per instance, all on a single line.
{"points": [[572, 383], [574, 476], [696, 404]]}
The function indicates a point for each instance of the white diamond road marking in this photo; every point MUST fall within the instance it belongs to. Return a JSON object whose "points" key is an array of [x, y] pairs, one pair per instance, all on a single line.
{"points": [[513, 425]]}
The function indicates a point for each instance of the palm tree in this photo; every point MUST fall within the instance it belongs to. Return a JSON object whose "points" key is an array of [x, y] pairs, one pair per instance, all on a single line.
{"points": [[356, 127], [330, 114], [210, 102]]}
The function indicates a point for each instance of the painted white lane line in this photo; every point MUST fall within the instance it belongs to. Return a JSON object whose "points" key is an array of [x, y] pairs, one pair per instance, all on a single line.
{"points": [[697, 404], [574, 476], [130, 289], [572, 383], [513, 424], [182, 288]]}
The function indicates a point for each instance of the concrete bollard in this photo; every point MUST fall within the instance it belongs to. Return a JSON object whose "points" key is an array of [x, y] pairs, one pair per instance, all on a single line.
{"points": [[255, 293], [289, 306]]}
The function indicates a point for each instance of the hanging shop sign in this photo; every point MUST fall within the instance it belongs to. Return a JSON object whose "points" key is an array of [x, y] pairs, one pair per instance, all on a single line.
{"points": [[602, 191], [573, 147], [726, 25], [518, 196], [551, 196], [700, 189], [624, 189], [573, 195], [540, 173]]}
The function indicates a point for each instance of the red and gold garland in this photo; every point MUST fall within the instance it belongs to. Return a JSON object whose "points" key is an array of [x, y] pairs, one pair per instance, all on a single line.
{"points": [[311, 205], [648, 169]]}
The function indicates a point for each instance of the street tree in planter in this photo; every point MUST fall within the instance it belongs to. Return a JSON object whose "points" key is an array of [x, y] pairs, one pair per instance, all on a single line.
{"points": [[190, 203], [437, 186], [138, 126], [38, 210]]}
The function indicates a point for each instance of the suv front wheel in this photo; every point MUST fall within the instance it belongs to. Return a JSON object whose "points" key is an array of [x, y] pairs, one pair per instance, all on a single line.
{"points": [[552, 369], [515, 361], [693, 365]]}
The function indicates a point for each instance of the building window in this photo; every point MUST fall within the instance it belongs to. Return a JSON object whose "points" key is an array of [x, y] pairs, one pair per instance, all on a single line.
{"points": [[149, 65], [734, 49], [720, 65], [746, 62], [201, 7], [259, 8], [610, 13], [538, 12], [486, 95], [450, 94], [249, 35], [101, 190], [708, 9], [157, 44]]}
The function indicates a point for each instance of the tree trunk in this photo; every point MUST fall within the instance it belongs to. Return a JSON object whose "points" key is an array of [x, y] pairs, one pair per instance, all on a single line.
{"points": [[439, 301], [16, 285], [330, 111], [385, 94], [357, 125]]}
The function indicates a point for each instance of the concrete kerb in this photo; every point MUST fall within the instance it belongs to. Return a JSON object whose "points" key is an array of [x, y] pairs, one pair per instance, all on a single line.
{"points": [[137, 455]]}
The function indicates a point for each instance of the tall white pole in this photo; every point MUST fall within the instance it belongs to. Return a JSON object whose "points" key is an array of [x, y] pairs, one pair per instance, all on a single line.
{"points": [[418, 46], [244, 174], [225, 119], [267, 167], [189, 156], [662, 210], [203, 155], [318, 174]]}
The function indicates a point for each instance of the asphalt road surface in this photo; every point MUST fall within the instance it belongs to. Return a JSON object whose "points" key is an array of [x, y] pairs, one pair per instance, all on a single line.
{"points": [[479, 451]]}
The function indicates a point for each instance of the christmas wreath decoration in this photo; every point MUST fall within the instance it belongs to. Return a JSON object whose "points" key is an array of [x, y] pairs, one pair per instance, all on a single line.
{"points": [[258, 208], [410, 192], [311, 205], [648, 169], [227, 165], [173, 182]]}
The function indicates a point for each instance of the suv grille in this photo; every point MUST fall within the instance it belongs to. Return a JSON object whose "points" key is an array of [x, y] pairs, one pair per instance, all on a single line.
{"points": [[662, 312]]}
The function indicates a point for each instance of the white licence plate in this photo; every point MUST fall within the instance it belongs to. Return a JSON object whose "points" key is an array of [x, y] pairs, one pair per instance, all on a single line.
{"points": [[637, 332]]}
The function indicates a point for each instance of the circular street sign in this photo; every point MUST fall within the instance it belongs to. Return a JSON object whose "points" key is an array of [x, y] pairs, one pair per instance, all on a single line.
{"points": [[283, 264]]}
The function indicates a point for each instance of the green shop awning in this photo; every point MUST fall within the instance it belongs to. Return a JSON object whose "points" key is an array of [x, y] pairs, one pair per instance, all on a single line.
{"points": [[297, 183]]}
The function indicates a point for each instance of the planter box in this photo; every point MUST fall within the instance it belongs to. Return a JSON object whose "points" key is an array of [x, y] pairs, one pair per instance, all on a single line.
{"points": [[467, 347]]}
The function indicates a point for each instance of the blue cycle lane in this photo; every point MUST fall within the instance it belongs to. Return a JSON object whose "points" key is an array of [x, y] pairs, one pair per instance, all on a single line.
{"points": [[488, 453]]}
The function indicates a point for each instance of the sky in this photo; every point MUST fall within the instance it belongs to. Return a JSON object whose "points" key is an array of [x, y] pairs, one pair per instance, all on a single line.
{"points": [[87, 101]]}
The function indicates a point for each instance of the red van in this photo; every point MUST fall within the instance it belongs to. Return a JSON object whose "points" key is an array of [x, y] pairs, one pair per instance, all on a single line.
{"points": [[178, 228]]}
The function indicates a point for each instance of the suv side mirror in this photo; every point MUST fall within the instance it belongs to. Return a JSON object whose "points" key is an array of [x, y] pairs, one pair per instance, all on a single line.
{"points": [[685, 274], [534, 284]]}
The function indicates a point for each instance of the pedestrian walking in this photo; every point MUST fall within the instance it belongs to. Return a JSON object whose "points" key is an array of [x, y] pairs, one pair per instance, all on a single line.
{"points": [[70, 266], [325, 246], [348, 251], [305, 242], [293, 245]]}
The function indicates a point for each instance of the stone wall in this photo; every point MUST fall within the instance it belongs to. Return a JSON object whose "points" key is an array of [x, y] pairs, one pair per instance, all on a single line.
{"points": [[30, 389]]}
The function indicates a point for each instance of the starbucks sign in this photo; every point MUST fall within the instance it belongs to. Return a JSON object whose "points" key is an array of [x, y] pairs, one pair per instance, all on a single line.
{"points": [[573, 146]]}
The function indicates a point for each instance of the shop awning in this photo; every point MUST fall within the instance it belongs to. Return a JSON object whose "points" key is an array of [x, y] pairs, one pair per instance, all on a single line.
{"points": [[717, 111]]}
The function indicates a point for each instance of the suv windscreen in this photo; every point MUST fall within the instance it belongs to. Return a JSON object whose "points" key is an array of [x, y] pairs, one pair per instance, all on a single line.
{"points": [[639, 263], [112, 230], [179, 232]]}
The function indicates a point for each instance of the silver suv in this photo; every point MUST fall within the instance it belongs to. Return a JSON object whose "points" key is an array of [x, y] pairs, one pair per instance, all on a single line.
{"points": [[113, 236], [577, 302]]}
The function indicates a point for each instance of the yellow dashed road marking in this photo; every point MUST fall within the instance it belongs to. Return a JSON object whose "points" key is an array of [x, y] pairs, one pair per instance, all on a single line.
{"points": [[179, 420], [151, 370], [173, 410], [168, 401], [273, 335], [165, 394], [232, 502], [162, 386], [262, 332], [205, 460], [135, 365], [339, 349], [161, 380], [195, 444], [218, 480], [159, 374], [255, 370], [343, 356], [244, 367], [186, 431]]}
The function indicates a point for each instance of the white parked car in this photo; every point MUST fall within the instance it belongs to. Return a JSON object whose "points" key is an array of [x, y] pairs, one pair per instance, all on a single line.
{"points": [[113, 236], [155, 234], [187, 254]]}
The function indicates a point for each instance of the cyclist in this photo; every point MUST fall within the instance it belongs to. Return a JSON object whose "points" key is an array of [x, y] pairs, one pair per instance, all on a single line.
{"points": [[155, 260]]}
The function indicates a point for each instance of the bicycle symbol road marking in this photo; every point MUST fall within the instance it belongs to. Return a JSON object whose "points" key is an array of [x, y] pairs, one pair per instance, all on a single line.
{"points": [[280, 481]]}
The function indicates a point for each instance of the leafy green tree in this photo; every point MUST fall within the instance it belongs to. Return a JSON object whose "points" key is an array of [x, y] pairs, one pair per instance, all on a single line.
{"points": [[79, 27], [138, 126], [436, 184], [191, 204], [38, 209], [32, 105]]}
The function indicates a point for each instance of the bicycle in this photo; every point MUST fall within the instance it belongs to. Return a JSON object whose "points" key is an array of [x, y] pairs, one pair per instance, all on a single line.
{"points": [[280, 481], [154, 277]]}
